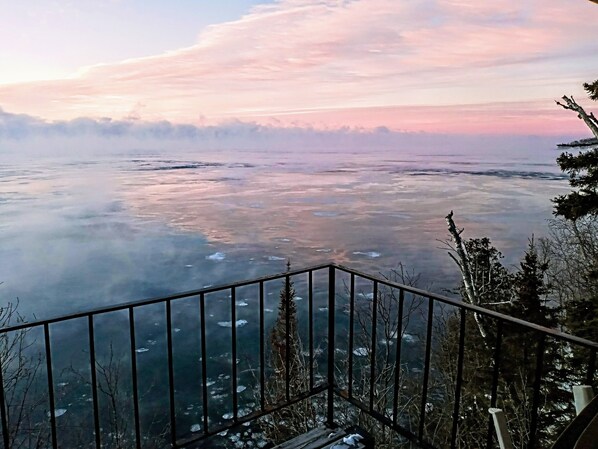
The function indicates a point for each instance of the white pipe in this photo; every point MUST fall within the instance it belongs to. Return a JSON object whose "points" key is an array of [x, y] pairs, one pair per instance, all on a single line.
{"points": [[582, 395], [500, 425]]}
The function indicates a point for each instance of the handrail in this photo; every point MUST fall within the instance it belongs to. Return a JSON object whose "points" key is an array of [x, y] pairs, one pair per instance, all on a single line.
{"points": [[330, 271], [476, 309], [417, 291], [159, 299]]}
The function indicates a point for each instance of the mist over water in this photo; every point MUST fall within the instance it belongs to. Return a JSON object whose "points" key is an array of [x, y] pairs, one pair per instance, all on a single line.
{"points": [[77, 234]]}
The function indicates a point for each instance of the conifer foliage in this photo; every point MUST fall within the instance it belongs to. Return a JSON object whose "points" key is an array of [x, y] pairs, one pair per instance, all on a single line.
{"points": [[289, 372], [582, 168], [524, 294], [285, 345], [583, 177]]}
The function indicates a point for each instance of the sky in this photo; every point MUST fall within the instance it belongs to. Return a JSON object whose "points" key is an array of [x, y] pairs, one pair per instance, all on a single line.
{"points": [[435, 66]]}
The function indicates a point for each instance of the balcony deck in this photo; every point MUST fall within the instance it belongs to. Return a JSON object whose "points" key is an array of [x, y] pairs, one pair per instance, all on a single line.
{"points": [[337, 361]]}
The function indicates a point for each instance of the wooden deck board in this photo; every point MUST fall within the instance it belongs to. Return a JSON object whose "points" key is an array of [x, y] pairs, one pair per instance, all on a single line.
{"points": [[320, 438]]}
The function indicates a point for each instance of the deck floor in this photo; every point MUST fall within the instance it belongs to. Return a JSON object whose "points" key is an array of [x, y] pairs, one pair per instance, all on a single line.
{"points": [[320, 438]]}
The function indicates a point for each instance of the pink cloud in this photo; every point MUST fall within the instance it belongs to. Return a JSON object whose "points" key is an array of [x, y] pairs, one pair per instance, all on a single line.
{"points": [[360, 59]]}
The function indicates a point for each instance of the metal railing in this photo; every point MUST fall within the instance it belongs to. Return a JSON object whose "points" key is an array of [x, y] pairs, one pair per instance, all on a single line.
{"points": [[337, 296]]}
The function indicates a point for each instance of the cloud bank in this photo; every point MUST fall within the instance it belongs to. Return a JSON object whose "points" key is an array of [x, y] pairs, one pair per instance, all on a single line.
{"points": [[27, 135]]}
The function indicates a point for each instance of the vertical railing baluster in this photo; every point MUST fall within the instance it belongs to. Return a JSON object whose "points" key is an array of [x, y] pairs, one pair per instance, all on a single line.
{"points": [[262, 351], [287, 333], [591, 367], [50, 385], [536, 399], [171, 397], [351, 324], [422, 415], [5, 435], [310, 312], [233, 302], [495, 374], [331, 333], [459, 380], [395, 399], [133, 342], [204, 373], [94, 381], [374, 344]]}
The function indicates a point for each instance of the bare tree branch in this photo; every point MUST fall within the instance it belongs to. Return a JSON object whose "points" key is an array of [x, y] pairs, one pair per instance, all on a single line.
{"points": [[589, 119]]}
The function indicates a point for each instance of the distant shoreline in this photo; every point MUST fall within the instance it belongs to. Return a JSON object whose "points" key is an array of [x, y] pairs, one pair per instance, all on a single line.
{"points": [[579, 143]]}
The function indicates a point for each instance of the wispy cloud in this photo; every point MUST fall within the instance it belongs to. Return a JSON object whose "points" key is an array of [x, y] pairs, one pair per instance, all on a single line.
{"points": [[324, 59]]}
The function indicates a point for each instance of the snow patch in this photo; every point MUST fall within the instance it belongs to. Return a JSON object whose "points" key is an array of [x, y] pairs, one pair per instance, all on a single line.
{"points": [[370, 254], [218, 256], [325, 213], [360, 352], [238, 323], [57, 412]]}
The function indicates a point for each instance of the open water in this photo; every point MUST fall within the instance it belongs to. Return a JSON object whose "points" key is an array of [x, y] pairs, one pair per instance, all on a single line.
{"points": [[80, 233], [77, 234]]}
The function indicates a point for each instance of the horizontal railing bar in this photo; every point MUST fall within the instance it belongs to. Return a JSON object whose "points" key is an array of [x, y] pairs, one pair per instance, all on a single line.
{"points": [[156, 300], [254, 415], [444, 299], [477, 309]]}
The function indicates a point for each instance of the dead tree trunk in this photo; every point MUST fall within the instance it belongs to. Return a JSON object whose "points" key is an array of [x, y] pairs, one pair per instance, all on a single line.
{"points": [[589, 119], [464, 263]]}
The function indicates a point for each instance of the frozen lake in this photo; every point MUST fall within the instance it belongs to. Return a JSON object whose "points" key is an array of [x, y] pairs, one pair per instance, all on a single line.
{"points": [[77, 234]]}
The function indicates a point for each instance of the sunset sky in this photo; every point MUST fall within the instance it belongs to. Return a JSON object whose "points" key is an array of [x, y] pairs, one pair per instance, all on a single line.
{"points": [[447, 66]]}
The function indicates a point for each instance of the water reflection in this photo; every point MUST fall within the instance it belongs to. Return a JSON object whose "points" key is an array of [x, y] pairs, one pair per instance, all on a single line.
{"points": [[78, 235]]}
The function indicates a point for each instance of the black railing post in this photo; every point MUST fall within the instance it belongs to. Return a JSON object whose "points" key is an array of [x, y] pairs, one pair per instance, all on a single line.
{"points": [[351, 332], [459, 379], [591, 368], [3, 412], [331, 331], [536, 399], [171, 395], [262, 351], [134, 378], [495, 374], [94, 381], [396, 398], [310, 312], [50, 385], [423, 411], [374, 343], [287, 336], [233, 302], [204, 364]]}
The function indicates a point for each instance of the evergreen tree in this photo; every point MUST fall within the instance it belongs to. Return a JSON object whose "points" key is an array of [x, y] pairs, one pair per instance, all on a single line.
{"points": [[583, 176], [522, 346], [493, 281], [531, 290], [285, 348], [524, 294], [289, 372], [580, 208], [582, 168], [592, 90]]}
